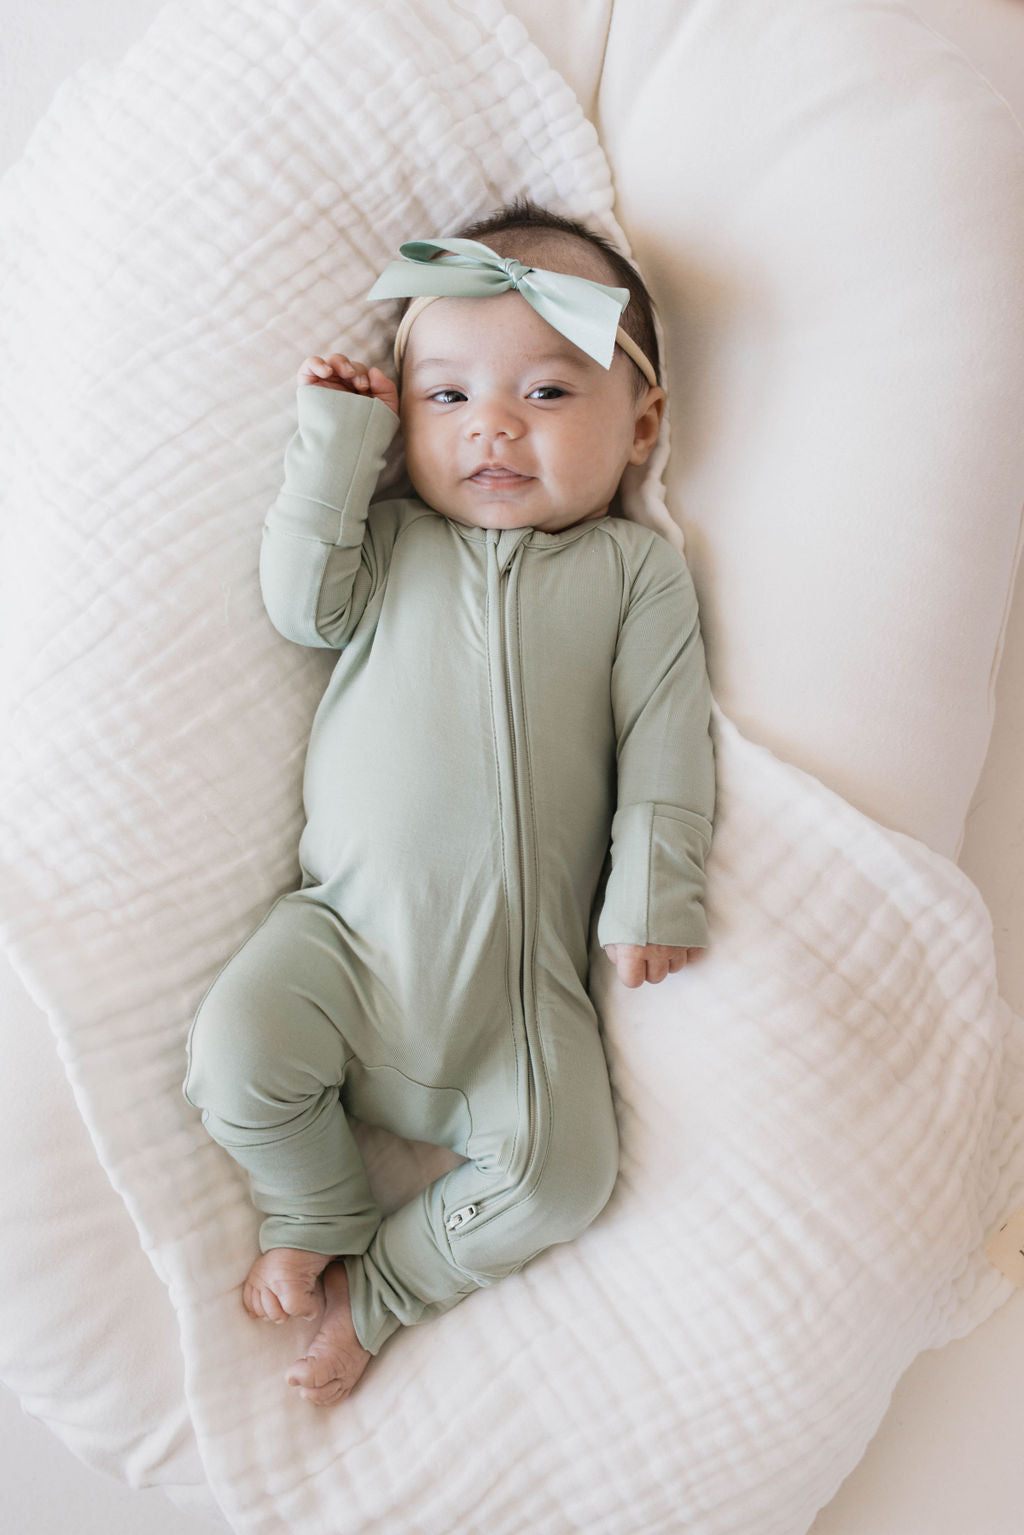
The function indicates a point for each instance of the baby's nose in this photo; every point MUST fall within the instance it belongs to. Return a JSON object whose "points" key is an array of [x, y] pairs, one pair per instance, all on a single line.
{"points": [[492, 418]]}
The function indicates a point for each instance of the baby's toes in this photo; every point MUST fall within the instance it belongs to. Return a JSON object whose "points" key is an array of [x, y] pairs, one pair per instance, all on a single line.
{"points": [[251, 1300], [261, 1303], [302, 1301], [319, 1381], [308, 1374], [325, 1396]]}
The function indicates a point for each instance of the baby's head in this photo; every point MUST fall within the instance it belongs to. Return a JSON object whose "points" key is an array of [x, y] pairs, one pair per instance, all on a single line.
{"points": [[509, 424]]}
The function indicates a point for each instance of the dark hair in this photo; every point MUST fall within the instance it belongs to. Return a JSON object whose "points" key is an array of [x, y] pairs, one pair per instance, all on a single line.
{"points": [[523, 215]]}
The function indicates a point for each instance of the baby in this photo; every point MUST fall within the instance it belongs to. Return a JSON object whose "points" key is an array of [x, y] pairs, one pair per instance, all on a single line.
{"points": [[521, 682]]}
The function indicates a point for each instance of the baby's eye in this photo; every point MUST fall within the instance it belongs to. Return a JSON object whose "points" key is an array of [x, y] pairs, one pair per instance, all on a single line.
{"points": [[447, 396], [546, 392]]}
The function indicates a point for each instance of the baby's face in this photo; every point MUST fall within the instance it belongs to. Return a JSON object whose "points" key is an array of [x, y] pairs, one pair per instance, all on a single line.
{"points": [[509, 425]]}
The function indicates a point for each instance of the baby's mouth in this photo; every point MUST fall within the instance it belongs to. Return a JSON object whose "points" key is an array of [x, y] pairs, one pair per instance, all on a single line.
{"points": [[498, 476]]}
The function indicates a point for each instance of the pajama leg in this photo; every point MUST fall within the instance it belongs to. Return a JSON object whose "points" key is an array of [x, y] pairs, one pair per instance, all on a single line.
{"points": [[268, 1056], [542, 1168], [293, 1022]]}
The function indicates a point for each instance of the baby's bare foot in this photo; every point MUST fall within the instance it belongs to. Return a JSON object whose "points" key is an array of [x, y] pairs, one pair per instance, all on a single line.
{"points": [[283, 1283], [336, 1358]]}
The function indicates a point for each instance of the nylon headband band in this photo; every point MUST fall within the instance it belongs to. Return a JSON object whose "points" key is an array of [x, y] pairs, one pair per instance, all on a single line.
{"points": [[633, 352]]}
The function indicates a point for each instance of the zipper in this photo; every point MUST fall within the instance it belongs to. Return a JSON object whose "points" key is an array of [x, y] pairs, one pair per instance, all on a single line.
{"points": [[459, 1218], [533, 1066]]}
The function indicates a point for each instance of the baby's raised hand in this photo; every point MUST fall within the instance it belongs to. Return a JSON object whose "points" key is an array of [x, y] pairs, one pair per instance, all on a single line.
{"points": [[639, 962], [340, 372]]}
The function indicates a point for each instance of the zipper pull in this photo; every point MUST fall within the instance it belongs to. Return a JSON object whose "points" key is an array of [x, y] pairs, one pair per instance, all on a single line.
{"points": [[460, 1218]]}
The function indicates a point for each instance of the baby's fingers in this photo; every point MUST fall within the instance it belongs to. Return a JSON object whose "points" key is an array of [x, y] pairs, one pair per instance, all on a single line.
{"points": [[357, 377], [355, 374], [680, 958], [335, 372], [350, 376], [384, 389], [628, 959], [312, 369]]}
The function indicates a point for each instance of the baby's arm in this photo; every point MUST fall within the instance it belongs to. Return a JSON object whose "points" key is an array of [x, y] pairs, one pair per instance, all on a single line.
{"points": [[652, 921], [321, 558]]}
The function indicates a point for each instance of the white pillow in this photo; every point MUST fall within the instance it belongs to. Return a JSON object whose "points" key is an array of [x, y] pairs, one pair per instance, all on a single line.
{"points": [[829, 205]]}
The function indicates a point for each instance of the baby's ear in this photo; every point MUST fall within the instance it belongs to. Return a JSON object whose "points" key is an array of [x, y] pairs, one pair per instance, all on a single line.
{"points": [[649, 411]]}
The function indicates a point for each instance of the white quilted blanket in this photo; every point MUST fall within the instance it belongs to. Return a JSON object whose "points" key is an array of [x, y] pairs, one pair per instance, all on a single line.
{"points": [[820, 1122]]}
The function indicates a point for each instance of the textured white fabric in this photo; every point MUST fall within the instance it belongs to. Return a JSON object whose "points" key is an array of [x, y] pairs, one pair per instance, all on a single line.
{"points": [[88, 1339], [819, 1121]]}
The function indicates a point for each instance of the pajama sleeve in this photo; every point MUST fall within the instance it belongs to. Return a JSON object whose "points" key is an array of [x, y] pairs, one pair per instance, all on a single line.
{"points": [[661, 702], [322, 558]]}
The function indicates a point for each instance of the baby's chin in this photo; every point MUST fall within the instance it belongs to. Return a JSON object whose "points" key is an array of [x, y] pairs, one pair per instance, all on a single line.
{"points": [[502, 515], [492, 517]]}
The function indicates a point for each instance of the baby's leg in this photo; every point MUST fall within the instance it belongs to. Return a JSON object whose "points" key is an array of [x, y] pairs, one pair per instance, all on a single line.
{"points": [[267, 1060], [544, 1161]]}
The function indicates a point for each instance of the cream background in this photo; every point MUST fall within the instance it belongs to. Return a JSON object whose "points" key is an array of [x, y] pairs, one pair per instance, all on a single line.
{"points": [[947, 1459]]}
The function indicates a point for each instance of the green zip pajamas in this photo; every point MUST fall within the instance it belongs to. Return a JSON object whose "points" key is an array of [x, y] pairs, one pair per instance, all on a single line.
{"points": [[503, 704]]}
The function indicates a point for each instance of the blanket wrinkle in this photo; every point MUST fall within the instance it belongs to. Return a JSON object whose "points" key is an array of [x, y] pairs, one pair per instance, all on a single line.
{"points": [[820, 1121]]}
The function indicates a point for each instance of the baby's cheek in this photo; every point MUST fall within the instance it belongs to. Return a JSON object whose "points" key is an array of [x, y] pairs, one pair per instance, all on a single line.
{"points": [[417, 468]]}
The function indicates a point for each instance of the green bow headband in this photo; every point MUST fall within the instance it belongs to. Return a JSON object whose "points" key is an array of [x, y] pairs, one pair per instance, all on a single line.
{"points": [[585, 312]]}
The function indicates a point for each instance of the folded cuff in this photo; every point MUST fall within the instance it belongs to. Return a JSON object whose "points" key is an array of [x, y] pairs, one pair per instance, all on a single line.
{"points": [[655, 891]]}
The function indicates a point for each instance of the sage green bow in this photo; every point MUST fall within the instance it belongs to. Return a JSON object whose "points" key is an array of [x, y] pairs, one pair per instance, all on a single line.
{"points": [[585, 312]]}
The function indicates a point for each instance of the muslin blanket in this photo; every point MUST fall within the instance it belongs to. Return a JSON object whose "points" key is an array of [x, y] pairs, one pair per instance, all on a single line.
{"points": [[820, 1122]]}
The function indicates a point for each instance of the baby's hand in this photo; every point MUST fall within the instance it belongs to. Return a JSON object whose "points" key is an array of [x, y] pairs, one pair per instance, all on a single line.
{"points": [[339, 372], [639, 962]]}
